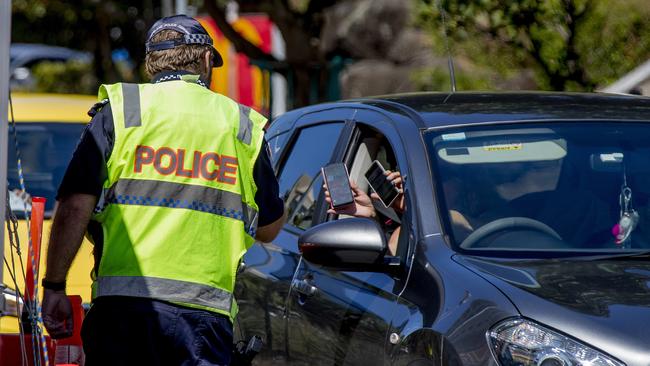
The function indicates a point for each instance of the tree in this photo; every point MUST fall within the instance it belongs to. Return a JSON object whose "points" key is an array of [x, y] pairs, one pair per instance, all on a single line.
{"points": [[571, 44], [99, 27], [301, 24], [104, 26], [321, 38]]}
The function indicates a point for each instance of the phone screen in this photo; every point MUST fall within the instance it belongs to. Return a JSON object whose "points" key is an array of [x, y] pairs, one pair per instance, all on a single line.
{"points": [[338, 184], [378, 182]]}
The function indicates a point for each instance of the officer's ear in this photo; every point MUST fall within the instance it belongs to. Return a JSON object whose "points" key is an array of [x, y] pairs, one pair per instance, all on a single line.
{"points": [[207, 61]]}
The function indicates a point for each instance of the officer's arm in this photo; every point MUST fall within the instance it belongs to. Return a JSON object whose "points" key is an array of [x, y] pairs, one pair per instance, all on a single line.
{"points": [[70, 220], [268, 232], [80, 188], [271, 207]]}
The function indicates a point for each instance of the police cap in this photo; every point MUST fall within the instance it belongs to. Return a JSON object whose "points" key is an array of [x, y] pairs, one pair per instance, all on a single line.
{"points": [[192, 31]]}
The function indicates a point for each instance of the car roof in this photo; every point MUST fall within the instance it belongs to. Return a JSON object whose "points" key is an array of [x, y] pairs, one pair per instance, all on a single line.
{"points": [[444, 109], [64, 108], [441, 109]]}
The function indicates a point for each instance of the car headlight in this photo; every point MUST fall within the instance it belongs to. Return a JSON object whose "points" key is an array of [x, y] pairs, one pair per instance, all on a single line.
{"points": [[9, 303], [522, 342]]}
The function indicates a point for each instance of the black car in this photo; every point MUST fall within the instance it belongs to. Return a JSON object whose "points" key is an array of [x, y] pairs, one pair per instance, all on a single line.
{"points": [[525, 239]]}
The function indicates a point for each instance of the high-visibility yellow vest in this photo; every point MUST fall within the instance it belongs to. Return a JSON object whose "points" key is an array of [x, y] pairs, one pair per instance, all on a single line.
{"points": [[178, 208]]}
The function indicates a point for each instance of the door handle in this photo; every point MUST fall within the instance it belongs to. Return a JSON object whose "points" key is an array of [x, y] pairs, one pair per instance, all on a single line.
{"points": [[304, 287]]}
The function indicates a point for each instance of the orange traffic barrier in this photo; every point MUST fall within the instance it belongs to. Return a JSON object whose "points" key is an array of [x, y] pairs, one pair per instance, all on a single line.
{"points": [[31, 287], [36, 232], [69, 351]]}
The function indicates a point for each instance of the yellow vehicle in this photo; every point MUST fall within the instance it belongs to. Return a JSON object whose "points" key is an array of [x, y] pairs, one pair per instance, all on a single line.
{"points": [[48, 127]]}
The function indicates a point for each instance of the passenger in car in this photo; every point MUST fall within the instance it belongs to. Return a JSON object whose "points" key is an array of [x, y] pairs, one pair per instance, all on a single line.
{"points": [[363, 207]]}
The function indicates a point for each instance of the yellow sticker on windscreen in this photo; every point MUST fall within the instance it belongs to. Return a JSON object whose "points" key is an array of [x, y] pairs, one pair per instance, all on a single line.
{"points": [[508, 146]]}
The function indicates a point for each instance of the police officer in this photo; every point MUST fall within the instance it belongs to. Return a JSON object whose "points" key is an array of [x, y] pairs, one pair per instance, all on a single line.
{"points": [[173, 184]]}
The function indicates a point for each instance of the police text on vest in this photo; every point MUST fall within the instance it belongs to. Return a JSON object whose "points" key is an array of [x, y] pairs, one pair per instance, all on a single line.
{"points": [[199, 165]]}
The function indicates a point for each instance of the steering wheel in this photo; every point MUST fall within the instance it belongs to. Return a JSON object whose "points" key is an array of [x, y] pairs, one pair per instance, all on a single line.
{"points": [[507, 223]]}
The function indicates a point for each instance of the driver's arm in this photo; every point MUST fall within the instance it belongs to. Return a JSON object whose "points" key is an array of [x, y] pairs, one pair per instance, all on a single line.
{"points": [[460, 225]]}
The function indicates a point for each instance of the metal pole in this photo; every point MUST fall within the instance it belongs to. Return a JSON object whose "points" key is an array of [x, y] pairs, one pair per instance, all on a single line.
{"points": [[181, 6], [167, 8], [5, 40]]}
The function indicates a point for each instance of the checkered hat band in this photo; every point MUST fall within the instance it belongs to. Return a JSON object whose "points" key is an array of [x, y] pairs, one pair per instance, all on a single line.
{"points": [[198, 39]]}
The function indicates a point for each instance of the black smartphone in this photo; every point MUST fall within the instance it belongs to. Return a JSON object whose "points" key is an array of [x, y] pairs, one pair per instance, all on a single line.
{"points": [[377, 180], [338, 184]]}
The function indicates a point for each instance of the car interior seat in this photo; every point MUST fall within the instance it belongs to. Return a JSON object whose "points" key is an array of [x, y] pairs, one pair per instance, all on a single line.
{"points": [[364, 156]]}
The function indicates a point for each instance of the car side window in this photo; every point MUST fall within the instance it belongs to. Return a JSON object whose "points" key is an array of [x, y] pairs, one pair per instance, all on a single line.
{"points": [[370, 146], [300, 179]]}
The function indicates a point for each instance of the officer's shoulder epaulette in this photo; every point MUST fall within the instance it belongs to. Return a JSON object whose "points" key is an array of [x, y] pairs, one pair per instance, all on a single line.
{"points": [[97, 107]]}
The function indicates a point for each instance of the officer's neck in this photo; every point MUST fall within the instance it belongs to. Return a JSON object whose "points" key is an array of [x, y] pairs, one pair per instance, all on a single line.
{"points": [[177, 75]]}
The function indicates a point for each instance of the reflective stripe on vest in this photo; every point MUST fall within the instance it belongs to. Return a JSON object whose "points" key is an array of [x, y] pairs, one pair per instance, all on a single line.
{"points": [[145, 192], [245, 125], [132, 117], [165, 289]]}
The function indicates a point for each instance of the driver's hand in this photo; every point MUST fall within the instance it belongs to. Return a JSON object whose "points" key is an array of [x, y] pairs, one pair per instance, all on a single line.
{"points": [[362, 206], [395, 178], [458, 220]]}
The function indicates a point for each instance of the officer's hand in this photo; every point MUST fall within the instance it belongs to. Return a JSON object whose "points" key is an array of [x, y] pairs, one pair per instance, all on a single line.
{"points": [[57, 314]]}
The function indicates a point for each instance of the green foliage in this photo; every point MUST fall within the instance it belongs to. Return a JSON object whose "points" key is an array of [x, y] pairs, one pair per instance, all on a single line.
{"points": [[98, 27], [65, 77], [438, 79], [54, 22], [299, 6], [571, 44], [620, 41]]}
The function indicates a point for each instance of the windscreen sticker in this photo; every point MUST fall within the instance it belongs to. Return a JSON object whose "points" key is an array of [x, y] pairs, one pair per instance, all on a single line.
{"points": [[502, 146], [459, 136], [455, 151]]}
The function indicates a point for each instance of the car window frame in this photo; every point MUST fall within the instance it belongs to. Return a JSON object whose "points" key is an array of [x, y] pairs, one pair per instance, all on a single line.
{"points": [[326, 116], [278, 142], [384, 124]]}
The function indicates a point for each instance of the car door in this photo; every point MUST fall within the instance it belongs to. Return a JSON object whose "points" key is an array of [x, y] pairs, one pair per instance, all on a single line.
{"points": [[339, 317], [264, 280]]}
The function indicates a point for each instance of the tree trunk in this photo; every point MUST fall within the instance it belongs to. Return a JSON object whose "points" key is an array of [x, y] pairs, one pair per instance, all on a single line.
{"points": [[104, 68]]}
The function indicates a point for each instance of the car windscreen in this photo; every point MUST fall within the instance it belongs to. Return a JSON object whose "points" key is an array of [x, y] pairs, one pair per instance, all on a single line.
{"points": [[581, 187], [45, 151]]}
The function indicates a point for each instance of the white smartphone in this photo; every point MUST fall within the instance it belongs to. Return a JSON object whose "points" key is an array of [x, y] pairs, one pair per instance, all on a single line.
{"points": [[377, 180]]}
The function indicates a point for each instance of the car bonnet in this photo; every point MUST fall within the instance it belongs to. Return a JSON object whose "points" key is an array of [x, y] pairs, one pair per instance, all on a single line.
{"points": [[603, 303]]}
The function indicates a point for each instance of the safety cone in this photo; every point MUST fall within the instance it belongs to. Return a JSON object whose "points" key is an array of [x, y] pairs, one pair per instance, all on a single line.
{"points": [[69, 351]]}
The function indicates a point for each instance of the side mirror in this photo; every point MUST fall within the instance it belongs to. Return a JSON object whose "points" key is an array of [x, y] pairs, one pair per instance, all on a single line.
{"points": [[354, 244]]}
